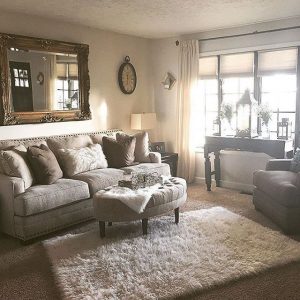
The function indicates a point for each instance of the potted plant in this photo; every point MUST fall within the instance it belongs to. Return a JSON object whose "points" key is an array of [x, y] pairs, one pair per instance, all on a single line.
{"points": [[226, 113], [265, 113]]}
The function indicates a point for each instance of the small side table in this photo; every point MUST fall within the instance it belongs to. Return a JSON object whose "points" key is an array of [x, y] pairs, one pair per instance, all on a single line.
{"points": [[172, 160]]}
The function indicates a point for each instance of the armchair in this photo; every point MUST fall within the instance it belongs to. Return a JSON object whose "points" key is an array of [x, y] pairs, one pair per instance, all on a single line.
{"points": [[277, 194]]}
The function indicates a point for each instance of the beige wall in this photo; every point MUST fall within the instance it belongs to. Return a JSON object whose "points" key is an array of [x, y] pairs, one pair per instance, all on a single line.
{"points": [[110, 107], [164, 55]]}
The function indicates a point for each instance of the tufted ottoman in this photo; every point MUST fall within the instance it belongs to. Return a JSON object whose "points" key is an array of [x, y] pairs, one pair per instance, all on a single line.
{"points": [[168, 197]]}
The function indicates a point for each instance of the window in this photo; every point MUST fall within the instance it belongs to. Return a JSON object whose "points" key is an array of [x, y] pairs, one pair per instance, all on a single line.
{"points": [[274, 77], [67, 86], [208, 87], [21, 78], [278, 84]]}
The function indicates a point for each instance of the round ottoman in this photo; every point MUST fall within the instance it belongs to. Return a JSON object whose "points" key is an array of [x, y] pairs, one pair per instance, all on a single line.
{"points": [[169, 196]]}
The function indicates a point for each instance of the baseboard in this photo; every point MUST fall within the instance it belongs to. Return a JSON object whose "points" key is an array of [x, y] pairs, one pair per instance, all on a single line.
{"points": [[229, 184]]}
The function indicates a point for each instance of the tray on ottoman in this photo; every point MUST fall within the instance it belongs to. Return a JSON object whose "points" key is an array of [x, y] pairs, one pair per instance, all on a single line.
{"points": [[169, 196]]}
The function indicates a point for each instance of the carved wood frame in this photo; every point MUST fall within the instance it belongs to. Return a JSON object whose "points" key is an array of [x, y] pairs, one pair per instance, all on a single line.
{"points": [[7, 116]]}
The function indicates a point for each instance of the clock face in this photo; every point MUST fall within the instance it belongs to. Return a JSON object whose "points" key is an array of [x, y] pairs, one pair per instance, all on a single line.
{"points": [[127, 78]]}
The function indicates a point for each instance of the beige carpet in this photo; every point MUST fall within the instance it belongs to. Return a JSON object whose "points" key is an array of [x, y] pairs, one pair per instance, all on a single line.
{"points": [[25, 271]]}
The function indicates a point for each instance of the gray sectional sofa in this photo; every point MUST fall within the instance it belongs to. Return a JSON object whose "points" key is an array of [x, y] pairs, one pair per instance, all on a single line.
{"points": [[41, 209], [277, 194]]}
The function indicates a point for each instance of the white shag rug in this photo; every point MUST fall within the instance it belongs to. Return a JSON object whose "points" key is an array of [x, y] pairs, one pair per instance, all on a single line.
{"points": [[207, 247]]}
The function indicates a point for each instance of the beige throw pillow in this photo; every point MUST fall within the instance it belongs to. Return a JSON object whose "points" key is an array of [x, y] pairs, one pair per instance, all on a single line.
{"points": [[141, 151], [85, 159], [14, 163]]}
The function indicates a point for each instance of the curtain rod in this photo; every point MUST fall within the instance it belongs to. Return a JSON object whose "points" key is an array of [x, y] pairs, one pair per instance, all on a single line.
{"points": [[245, 34]]}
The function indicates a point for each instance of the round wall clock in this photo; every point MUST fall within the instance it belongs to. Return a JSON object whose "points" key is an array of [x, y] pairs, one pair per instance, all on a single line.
{"points": [[127, 77]]}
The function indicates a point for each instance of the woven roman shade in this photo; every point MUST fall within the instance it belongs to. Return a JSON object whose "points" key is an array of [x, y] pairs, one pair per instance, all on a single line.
{"points": [[67, 71], [278, 61], [208, 67], [237, 65]]}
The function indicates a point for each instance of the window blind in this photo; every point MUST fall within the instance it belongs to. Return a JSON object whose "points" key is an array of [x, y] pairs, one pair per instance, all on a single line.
{"points": [[237, 65], [208, 67], [67, 71], [278, 61]]}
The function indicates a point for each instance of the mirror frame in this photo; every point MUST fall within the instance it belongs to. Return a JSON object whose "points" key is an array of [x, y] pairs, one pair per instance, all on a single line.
{"points": [[7, 116]]}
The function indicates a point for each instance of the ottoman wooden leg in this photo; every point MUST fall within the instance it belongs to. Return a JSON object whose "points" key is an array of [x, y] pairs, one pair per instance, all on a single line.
{"points": [[109, 223], [145, 226], [102, 229], [176, 210]]}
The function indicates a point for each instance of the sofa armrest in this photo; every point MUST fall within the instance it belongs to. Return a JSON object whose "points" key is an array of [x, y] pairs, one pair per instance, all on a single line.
{"points": [[278, 165], [155, 157], [9, 188]]}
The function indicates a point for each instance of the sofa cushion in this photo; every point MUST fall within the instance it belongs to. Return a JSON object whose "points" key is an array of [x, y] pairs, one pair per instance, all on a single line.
{"points": [[41, 198], [100, 179], [44, 164], [75, 161], [119, 154], [169, 193], [279, 185], [14, 163], [68, 142]]}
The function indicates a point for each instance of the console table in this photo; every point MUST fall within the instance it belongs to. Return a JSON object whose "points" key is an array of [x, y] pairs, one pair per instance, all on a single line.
{"points": [[172, 160], [274, 148]]}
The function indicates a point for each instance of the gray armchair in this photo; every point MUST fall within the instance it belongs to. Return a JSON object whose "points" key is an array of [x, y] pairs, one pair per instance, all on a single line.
{"points": [[277, 194]]}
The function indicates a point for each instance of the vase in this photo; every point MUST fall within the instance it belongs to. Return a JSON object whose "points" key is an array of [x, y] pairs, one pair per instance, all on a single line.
{"points": [[265, 131], [227, 128]]}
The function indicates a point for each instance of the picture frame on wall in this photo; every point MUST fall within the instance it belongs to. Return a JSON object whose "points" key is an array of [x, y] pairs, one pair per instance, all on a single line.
{"points": [[157, 147]]}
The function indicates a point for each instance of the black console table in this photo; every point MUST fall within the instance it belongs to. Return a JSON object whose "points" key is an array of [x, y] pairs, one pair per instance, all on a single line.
{"points": [[274, 148], [172, 160]]}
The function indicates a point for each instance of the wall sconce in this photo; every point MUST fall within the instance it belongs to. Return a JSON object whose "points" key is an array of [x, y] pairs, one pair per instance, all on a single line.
{"points": [[168, 81], [40, 78]]}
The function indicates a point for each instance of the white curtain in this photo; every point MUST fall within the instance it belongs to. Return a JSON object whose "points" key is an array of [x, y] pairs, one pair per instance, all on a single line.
{"points": [[187, 94], [49, 83]]}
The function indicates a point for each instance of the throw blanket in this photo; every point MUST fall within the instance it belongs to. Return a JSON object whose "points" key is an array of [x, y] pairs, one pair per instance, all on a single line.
{"points": [[134, 199]]}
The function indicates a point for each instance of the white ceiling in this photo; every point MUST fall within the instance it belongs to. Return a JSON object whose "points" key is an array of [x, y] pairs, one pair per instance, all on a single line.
{"points": [[158, 18]]}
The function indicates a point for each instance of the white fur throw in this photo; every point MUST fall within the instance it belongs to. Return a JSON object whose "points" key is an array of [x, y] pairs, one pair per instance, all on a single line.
{"points": [[134, 199]]}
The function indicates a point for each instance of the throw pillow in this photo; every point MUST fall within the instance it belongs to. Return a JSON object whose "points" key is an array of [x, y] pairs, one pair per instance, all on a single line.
{"points": [[141, 151], [44, 164], [85, 159], [97, 138], [119, 154], [14, 163], [69, 142], [295, 163]]}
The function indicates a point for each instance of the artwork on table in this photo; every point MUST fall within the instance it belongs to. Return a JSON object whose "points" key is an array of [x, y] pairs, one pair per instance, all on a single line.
{"points": [[158, 147]]}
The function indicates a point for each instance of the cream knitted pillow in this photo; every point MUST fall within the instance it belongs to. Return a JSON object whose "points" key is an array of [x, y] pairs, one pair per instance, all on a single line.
{"points": [[74, 161]]}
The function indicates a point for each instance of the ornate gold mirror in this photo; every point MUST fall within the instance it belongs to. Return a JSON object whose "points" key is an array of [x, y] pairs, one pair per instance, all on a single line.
{"points": [[43, 80]]}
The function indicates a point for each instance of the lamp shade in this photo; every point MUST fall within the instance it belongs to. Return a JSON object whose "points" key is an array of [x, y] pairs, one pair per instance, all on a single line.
{"points": [[143, 121]]}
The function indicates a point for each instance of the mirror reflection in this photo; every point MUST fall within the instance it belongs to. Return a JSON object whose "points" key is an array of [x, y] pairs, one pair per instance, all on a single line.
{"points": [[42, 81]]}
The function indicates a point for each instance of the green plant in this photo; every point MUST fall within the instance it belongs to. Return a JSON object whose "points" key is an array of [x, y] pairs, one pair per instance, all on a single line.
{"points": [[265, 113], [226, 112]]}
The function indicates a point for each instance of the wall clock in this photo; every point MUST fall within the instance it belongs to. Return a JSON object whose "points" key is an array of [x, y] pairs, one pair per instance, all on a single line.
{"points": [[127, 77]]}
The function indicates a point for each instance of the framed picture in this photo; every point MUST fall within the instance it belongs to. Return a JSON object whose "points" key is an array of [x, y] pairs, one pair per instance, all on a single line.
{"points": [[158, 147]]}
